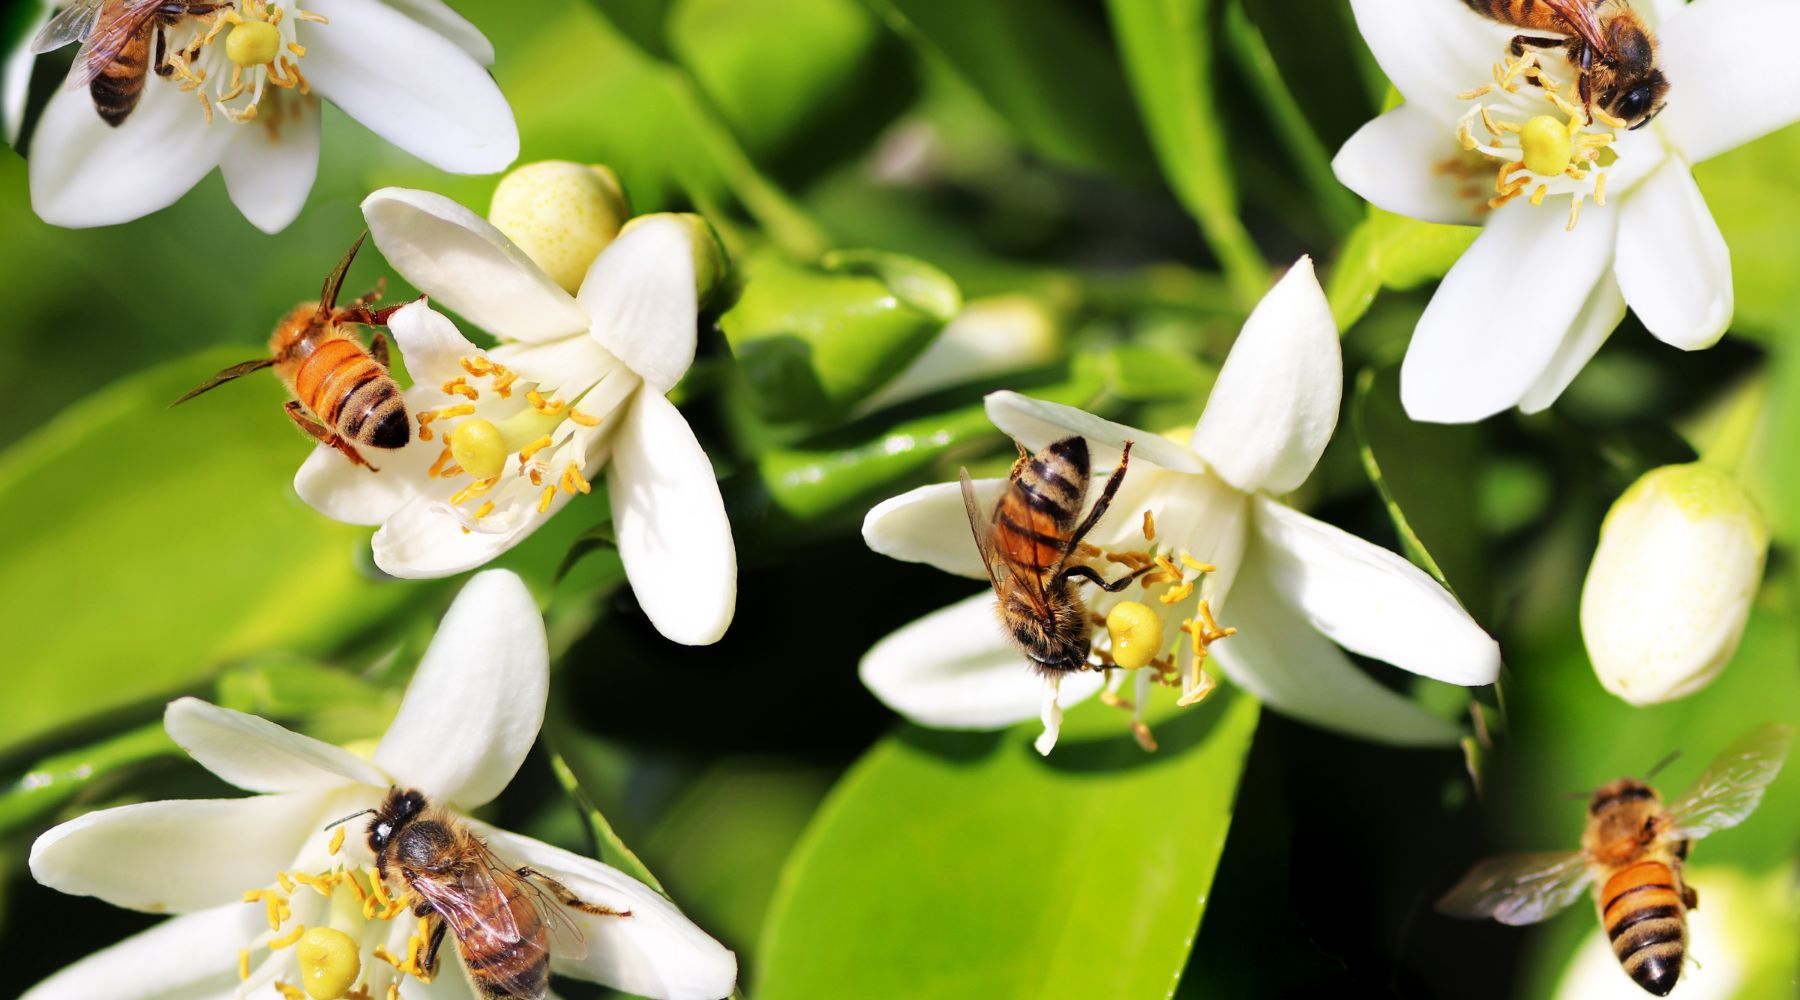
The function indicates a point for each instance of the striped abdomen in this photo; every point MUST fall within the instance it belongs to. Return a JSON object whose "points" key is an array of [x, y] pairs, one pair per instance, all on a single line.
{"points": [[516, 971], [120, 83], [1035, 518], [352, 394], [1642, 911], [1534, 14]]}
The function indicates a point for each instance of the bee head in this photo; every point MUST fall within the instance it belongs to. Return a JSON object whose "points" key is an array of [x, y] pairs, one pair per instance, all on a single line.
{"points": [[398, 810]]}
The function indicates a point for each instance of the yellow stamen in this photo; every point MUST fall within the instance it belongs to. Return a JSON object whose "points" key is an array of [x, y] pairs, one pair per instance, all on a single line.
{"points": [[472, 491], [337, 836], [484, 510], [540, 404], [459, 410], [290, 992], [1149, 527], [287, 884], [243, 964], [584, 419], [545, 500], [1196, 565], [460, 386], [287, 939], [533, 448], [1600, 190], [1178, 593], [573, 482], [477, 366]]}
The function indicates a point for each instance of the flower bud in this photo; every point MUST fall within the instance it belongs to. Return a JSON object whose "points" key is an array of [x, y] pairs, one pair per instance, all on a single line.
{"points": [[561, 214], [711, 262], [1679, 561], [989, 338]]}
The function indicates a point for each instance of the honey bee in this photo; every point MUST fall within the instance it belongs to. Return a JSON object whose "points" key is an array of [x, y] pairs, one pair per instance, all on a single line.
{"points": [[505, 923], [115, 37], [1632, 851], [342, 392], [1028, 544], [1606, 41]]}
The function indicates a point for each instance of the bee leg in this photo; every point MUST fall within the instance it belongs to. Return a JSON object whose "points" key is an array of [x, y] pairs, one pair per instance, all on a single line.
{"points": [[325, 435], [1690, 898], [429, 961], [1093, 576], [1113, 482], [364, 316], [567, 897], [163, 68], [378, 346], [371, 296]]}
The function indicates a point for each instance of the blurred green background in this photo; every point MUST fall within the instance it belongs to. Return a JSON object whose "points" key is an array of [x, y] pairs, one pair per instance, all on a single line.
{"points": [[1122, 177]]}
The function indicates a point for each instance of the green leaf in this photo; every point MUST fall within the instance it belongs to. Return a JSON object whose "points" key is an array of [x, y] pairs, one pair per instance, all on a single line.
{"points": [[612, 849], [1393, 252], [961, 864], [53, 781], [1168, 51], [154, 546]]}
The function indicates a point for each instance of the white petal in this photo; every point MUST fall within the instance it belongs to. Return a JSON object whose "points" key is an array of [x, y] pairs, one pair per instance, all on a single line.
{"points": [[1276, 401], [474, 706], [1596, 322], [931, 525], [421, 541], [457, 258], [1050, 714], [1201, 515], [437, 15], [335, 487], [194, 955], [424, 94], [1673, 265], [430, 343], [1036, 424], [641, 293], [85, 173], [954, 669], [177, 856], [1504, 311], [1431, 51], [1296, 671], [655, 952], [269, 172], [259, 756], [1732, 74], [1393, 163], [670, 521], [1370, 600]]}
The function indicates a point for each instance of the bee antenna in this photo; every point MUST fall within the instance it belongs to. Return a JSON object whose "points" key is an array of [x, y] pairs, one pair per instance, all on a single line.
{"points": [[346, 819], [1665, 762], [328, 295]]}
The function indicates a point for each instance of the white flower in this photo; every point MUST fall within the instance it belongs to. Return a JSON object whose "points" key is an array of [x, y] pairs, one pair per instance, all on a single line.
{"points": [[1669, 592], [412, 71], [1532, 300], [1296, 585], [238, 871], [577, 386]]}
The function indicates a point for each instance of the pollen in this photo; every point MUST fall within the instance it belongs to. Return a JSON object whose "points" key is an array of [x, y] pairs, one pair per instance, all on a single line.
{"points": [[548, 498], [548, 408], [479, 448], [337, 841], [329, 963], [288, 939], [573, 481], [584, 419], [1137, 634], [253, 43]]}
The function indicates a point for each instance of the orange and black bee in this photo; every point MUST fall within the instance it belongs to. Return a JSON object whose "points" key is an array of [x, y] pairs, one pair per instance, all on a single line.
{"points": [[342, 393], [1607, 42], [1029, 545], [115, 50], [502, 918], [1632, 852]]}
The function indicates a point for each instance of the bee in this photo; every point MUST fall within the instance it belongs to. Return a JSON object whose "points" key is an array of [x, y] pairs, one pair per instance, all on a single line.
{"points": [[115, 37], [343, 395], [1632, 851], [1028, 544], [505, 923], [1606, 41]]}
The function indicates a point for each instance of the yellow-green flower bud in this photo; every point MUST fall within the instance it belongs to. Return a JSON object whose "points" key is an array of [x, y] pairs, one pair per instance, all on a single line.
{"points": [[561, 214], [328, 961], [710, 259], [1137, 634], [1679, 562]]}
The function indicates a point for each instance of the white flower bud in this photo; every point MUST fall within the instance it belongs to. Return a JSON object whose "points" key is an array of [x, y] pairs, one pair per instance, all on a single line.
{"points": [[1680, 558], [561, 214]]}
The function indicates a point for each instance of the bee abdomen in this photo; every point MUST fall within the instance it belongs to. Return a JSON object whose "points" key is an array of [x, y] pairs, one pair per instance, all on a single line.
{"points": [[1647, 924], [499, 974], [353, 394], [119, 86], [1519, 13]]}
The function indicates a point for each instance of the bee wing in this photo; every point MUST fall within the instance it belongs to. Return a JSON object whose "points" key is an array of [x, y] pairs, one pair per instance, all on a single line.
{"points": [[71, 24], [1579, 15], [566, 938], [1733, 784], [1518, 888], [980, 524], [106, 40]]}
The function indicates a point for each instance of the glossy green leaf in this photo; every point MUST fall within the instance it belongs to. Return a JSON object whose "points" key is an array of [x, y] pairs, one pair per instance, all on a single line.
{"points": [[612, 849], [49, 783], [962, 864], [120, 486], [1750, 192], [1393, 252], [1168, 50]]}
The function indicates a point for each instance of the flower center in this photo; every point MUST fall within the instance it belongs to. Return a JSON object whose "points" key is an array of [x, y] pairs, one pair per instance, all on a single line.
{"points": [[1537, 153], [259, 51]]}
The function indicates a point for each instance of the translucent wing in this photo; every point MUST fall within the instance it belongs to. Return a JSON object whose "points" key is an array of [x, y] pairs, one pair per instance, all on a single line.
{"points": [[979, 524], [71, 24], [1579, 15], [1518, 888], [109, 36], [480, 915], [1733, 784], [566, 938]]}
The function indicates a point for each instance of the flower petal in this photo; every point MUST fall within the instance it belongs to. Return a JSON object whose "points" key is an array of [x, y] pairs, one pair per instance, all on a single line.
{"points": [[1732, 77], [1276, 401], [931, 525], [1596, 322], [670, 521], [1392, 162], [954, 669], [457, 258], [437, 16], [423, 541], [655, 952], [429, 97], [190, 956], [1673, 265], [1369, 600], [1504, 312], [1296, 671], [268, 174], [476, 702], [332, 485], [1431, 51], [85, 172], [179, 855], [641, 293], [1036, 424], [259, 756]]}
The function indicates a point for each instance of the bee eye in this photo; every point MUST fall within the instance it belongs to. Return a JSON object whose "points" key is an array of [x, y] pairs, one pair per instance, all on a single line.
{"points": [[1635, 104]]}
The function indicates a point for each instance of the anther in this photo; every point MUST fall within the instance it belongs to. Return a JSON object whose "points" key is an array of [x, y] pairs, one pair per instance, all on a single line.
{"points": [[1149, 526], [584, 419], [573, 481], [533, 448], [337, 836], [287, 939], [545, 500]]}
